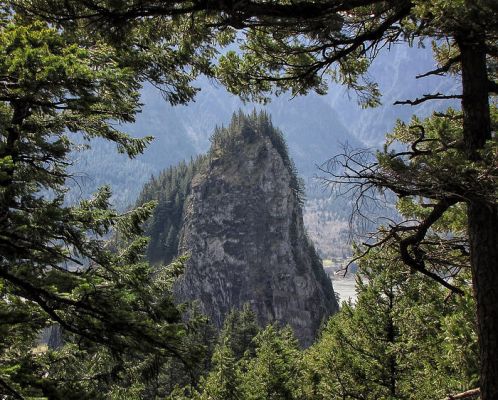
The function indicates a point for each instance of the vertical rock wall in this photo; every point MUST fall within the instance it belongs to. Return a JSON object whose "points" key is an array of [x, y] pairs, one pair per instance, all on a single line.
{"points": [[243, 229]]}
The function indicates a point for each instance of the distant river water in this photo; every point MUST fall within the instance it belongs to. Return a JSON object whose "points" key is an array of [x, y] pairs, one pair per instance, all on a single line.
{"points": [[345, 287]]}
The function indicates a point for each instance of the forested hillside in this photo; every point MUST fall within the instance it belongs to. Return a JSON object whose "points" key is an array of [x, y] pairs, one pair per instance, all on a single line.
{"points": [[170, 189]]}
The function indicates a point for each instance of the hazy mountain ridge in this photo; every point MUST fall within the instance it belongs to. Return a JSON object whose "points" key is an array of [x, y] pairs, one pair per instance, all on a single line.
{"points": [[316, 128], [395, 71]]}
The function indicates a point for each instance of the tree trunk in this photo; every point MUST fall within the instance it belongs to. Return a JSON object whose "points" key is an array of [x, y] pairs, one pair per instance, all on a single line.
{"points": [[482, 213]]}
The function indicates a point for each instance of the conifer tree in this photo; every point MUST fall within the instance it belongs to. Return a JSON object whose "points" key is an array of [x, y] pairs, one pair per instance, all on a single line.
{"points": [[170, 189], [395, 342], [223, 381], [56, 265], [239, 329], [274, 372]]}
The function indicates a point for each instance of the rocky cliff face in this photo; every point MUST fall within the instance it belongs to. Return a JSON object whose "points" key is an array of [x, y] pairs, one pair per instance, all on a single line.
{"points": [[243, 228]]}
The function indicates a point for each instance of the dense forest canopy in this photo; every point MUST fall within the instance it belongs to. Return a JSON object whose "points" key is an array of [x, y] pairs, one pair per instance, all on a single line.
{"points": [[71, 67], [170, 189], [403, 339]]}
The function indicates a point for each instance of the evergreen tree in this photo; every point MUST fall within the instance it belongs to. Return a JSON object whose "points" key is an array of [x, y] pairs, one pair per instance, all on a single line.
{"points": [[274, 372], [242, 129], [224, 375], [170, 189], [223, 381], [239, 330], [164, 376], [394, 342], [56, 266]]}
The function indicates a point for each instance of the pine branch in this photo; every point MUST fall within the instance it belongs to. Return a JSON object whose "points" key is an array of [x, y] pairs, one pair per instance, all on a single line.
{"points": [[11, 391]]}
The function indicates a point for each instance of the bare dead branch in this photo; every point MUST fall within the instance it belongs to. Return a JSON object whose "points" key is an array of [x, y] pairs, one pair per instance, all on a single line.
{"points": [[464, 395], [420, 248], [443, 69], [415, 257], [427, 97]]}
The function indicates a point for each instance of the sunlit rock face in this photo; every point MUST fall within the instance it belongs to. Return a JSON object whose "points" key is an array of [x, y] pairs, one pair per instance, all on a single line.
{"points": [[243, 229]]}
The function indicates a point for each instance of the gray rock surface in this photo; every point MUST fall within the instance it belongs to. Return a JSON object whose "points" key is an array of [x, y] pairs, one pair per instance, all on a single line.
{"points": [[243, 228]]}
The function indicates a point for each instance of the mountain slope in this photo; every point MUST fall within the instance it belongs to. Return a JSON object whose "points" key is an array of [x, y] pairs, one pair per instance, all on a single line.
{"points": [[242, 227]]}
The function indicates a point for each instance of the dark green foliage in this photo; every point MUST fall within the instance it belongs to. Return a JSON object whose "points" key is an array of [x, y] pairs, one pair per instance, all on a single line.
{"points": [[244, 129], [239, 329], [396, 341], [223, 381], [223, 375], [269, 369], [170, 190], [56, 265], [161, 376], [235, 341], [275, 371]]}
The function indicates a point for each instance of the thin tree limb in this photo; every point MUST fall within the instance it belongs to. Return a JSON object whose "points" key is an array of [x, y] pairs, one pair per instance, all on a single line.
{"points": [[443, 69], [427, 97]]}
